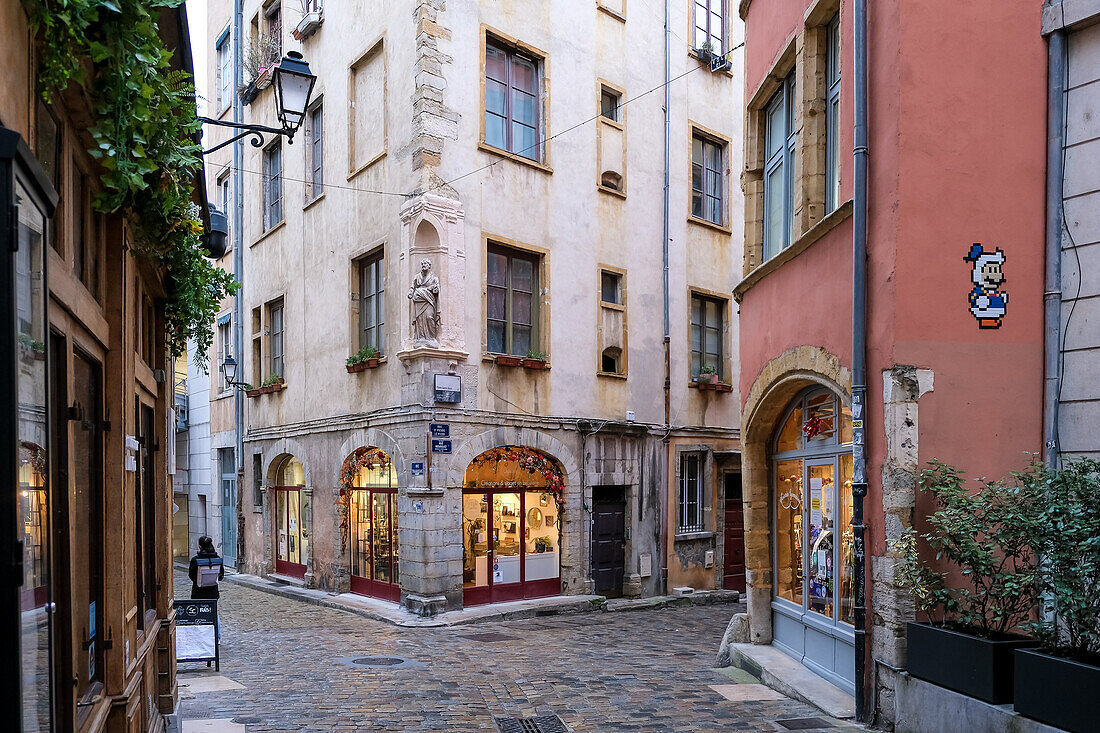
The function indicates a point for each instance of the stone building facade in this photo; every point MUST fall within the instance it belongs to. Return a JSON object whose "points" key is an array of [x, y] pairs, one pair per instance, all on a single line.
{"points": [[526, 168]]}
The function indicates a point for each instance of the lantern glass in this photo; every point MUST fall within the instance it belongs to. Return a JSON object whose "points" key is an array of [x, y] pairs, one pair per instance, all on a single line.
{"points": [[229, 370], [293, 87]]}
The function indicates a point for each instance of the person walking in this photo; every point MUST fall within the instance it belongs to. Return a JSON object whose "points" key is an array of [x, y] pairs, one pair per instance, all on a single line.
{"points": [[206, 570]]}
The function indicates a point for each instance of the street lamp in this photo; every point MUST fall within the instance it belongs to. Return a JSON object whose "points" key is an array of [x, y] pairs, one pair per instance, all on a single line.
{"points": [[228, 369], [293, 86]]}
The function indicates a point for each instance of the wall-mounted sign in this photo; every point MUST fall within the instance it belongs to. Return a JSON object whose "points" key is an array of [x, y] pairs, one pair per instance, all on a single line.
{"points": [[448, 388], [441, 446], [417, 468], [439, 429]]}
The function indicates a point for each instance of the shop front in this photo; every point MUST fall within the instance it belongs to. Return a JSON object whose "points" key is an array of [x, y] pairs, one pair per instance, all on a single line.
{"points": [[813, 601], [369, 523], [511, 526], [291, 536]]}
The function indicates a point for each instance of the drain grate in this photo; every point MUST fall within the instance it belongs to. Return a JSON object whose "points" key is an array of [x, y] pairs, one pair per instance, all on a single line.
{"points": [[805, 723], [489, 636], [540, 724], [379, 662]]}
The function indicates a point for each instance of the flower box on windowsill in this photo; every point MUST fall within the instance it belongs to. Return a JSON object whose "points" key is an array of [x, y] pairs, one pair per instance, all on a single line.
{"points": [[277, 387], [710, 382], [263, 80], [308, 25], [508, 360], [530, 363], [248, 93], [362, 366]]}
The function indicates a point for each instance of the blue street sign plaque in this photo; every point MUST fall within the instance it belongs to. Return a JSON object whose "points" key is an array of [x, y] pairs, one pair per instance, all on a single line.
{"points": [[441, 446], [417, 468], [439, 429]]}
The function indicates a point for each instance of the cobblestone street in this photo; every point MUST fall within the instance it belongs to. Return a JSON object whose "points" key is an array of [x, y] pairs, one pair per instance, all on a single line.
{"points": [[637, 671]]}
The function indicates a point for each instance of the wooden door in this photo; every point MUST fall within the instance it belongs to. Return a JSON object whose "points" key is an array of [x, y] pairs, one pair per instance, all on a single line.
{"points": [[733, 568], [609, 541]]}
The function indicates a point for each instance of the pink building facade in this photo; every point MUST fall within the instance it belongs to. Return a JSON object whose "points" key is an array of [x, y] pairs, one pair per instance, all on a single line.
{"points": [[955, 243]]}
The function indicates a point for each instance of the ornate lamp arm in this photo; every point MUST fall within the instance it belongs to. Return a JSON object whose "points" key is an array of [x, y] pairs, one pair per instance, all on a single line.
{"points": [[256, 131]]}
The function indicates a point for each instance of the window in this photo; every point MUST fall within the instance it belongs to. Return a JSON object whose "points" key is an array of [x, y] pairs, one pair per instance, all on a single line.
{"points": [[832, 116], [48, 151], [690, 505], [512, 101], [706, 179], [257, 479], [610, 105], [512, 291], [275, 324], [80, 224], [273, 19], [706, 334], [372, 302], [610, 360], [315, 136], [779, 138], [611, 287], [224, 73], [273, 186], [145, 509], [225, 202], [709, 22], [225, 344]]}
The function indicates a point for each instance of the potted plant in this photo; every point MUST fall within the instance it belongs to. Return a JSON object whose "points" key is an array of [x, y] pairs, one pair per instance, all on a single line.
{"points": [[508, 360], [366, 358], [971, 633], [708, 377], [535, 360], [269, 385], [258, 63], [544, 544], [705, 52], [1051, 679]]}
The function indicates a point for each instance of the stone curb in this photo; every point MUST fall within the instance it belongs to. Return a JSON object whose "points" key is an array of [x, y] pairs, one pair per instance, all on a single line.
{"points": [[565, 607]]}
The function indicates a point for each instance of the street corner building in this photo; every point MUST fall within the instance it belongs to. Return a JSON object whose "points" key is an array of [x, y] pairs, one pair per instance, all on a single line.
{"points": [[87, 623], [453, 384], [949, 326]]}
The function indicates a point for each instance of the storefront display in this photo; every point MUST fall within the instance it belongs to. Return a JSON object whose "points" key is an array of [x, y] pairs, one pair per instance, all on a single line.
{"points": [[369, 523], [812, 506], [292, 537], [510, 539]]}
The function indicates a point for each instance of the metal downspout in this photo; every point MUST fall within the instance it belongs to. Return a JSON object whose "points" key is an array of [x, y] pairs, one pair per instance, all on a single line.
{"points": [[238, 273], [1052, 295], [664, 248], [859, 356]]}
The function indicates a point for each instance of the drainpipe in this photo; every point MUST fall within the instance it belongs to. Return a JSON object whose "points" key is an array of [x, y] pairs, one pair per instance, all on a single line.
{"points": [[1052, 295], [859, 355], [664, 250], [238, 273]]}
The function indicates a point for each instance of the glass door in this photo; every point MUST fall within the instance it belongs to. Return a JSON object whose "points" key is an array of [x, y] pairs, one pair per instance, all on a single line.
{"points": [[820, 537], [290, 539], [372, 536]]}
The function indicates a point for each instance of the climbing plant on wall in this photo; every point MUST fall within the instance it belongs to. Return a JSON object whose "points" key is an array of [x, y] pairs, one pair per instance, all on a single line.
{"points": [[144, 136]]}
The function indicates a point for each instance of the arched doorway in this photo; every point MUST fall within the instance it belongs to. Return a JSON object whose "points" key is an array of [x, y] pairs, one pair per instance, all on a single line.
{"points": [[813, 600], [511, 526], [368, 522], [291, 536]]}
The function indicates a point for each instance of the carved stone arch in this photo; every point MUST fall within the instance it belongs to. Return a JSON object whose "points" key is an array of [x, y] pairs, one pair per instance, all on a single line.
{"points": [[779, 382], [370, 438], [498, 437], [274, 454], [426, 237]]}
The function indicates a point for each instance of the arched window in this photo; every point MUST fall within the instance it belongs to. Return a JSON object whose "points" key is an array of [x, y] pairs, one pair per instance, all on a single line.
{"points": [[370, 523]]}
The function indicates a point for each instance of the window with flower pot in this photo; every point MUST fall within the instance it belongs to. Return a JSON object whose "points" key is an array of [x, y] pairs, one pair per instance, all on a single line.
{"points": [[707, 324], [710, 24], [512, 301], [372, 302]]}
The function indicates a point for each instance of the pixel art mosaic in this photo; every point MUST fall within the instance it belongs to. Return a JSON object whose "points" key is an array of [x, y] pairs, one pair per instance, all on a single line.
{"points": [[988, 300]]}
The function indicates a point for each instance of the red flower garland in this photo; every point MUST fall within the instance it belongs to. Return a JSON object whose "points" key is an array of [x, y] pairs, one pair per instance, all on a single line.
{"points": [[368, 458], [532, 462]]}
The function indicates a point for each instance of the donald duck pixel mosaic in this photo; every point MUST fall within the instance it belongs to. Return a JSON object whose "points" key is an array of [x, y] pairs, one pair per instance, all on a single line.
{"points": [[987, 299]]}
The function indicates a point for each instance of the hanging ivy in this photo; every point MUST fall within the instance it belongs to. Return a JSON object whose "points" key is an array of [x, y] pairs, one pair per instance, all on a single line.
{"points": [[143, 133]]}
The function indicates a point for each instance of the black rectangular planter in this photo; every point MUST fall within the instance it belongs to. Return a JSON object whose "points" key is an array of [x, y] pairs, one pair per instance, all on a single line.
{"points": [[1055, 690], [974, 666]]}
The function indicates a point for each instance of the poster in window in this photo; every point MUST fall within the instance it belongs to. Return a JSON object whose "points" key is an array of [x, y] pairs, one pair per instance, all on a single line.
{"points": [[815, 502]]}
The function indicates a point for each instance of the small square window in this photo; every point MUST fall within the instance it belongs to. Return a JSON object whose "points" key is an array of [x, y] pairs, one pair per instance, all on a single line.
{"points": [[611, 287], [611, 105]]}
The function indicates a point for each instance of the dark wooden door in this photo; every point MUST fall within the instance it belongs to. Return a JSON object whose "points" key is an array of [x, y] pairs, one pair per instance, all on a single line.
{"points": [[608, 556], [733, 569]]}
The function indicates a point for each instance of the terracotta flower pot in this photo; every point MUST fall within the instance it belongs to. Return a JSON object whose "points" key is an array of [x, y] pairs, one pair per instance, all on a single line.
{"points": [[534, 363], [508, 360]]}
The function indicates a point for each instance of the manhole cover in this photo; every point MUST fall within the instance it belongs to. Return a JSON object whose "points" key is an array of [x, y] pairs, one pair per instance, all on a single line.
{"points": [[540, 724], [805, 723], [489, 636], [377, 661]]}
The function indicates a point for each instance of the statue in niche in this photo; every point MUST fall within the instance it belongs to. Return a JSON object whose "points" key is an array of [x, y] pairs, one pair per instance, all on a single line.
{"points": [[424, 294]]}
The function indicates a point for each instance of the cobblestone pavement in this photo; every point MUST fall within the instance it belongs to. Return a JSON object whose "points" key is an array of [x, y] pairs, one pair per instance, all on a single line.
{"points": [[626, 671]]}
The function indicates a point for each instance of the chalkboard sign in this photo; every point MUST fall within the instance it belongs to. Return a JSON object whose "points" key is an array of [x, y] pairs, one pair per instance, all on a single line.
{"points": [[197, 631]]}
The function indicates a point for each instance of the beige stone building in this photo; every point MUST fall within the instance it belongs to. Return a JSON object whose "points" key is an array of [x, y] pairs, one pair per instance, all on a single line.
{"points": [[477, 192]]}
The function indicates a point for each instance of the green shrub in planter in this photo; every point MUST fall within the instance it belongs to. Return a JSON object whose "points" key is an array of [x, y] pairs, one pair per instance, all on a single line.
{"points": [[1052, 678], [988, 534]]}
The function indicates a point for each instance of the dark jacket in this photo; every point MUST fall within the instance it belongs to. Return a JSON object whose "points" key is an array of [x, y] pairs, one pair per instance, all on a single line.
{"points": [[193, 573]]}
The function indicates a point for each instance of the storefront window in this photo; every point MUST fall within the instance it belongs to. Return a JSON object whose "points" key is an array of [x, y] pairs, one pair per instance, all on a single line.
{"points": [[847, 546], [373, 525], [291, 535], [788, 541], [475, 547], [506, 543], [821, 538], [540, 533]]}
